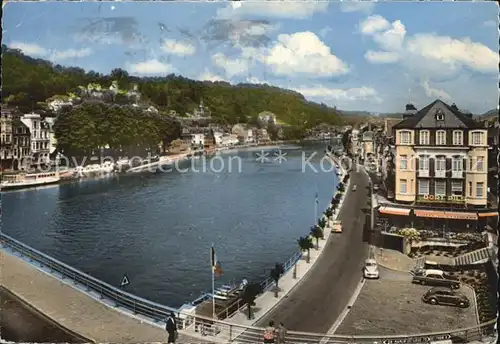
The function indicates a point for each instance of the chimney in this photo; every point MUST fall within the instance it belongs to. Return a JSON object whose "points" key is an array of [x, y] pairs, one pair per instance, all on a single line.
{"points": [[410, 110]]}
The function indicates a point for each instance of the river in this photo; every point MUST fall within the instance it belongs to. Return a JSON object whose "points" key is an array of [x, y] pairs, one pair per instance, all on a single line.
{"points": [[158, 228]]}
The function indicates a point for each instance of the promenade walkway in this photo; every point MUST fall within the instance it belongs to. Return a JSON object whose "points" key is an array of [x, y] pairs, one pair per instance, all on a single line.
{"points": [[319, 299], [75, 310], [313, 301]]}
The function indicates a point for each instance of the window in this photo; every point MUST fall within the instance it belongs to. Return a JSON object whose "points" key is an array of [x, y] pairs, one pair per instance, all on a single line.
{"points": [[439, 115], [477, 138], [402, 186], [480, 164], [457, 164], [456, 188], [423, 163], [424, 137], [440, 187], [403, 162], [458, 138], [404, 138], [440, 138], [480, 190], [440, 163], [423, 187], [470, 189]]}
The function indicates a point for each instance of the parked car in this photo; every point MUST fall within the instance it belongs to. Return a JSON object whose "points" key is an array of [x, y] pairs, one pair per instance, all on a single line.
{"points": [[445, 296], [370, 269], [337, 226], [436, 278]]}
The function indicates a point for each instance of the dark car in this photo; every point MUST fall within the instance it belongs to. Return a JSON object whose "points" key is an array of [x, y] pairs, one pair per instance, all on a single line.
{"points": [[434, 277], [445, 296]]}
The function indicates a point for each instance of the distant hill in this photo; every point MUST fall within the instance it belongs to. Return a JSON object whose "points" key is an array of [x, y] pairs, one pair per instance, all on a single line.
{"points": [[28, 81]]}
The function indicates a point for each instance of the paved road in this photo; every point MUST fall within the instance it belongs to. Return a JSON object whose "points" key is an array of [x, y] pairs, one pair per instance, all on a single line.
{"points": [[317, 301]]}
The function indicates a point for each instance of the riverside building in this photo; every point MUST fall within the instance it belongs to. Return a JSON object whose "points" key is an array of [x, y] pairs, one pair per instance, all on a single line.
{"points": [[441, 175]]}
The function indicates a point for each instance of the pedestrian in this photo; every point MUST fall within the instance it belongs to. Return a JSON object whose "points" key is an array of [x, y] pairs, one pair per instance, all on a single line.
{"points": [[281, 333], [171, 327], [270, 333]]}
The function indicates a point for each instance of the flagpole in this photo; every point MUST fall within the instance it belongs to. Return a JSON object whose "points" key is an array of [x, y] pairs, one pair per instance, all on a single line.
{"points": [[213, 284], [316, 200]]}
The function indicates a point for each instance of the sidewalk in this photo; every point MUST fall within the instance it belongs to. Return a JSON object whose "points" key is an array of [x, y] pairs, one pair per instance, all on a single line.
{"points": [[74, 309], [267, 300], [393, 260]]}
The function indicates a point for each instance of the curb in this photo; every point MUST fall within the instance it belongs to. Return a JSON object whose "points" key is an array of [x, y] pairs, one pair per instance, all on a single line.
{"points": [[300, 280], [346, 310]]}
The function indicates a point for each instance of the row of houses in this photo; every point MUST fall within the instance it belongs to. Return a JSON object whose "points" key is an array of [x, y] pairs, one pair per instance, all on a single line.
{"points": [[239, 134], [25, 139]]}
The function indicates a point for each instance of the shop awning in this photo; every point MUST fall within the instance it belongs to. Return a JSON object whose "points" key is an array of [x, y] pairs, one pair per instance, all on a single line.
{"points": [[429, 213], [460, 216], [494, 213], [452, 215], [394, 211]]}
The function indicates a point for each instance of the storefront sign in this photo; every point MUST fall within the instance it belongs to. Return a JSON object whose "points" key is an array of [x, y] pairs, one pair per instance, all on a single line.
{"points": [[439, 198]]}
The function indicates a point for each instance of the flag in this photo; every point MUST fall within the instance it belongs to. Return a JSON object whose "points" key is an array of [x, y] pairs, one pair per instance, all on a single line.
{"points": [[216, 267], [317, 198]]}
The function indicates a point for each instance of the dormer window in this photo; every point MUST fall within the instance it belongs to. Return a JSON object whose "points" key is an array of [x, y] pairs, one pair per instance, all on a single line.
{"points": [[439, 115]]}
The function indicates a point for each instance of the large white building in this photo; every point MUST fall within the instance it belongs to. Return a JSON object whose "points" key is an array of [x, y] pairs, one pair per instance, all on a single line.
{"points": [[40, 137]]}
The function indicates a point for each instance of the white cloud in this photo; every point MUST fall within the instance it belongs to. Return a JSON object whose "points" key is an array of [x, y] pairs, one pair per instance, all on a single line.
{"points": [[29, 48], [255, 80], [71, 53], [300, 9], [302, 53], [357, 6], [150, 67], [454, 53], [429, 54], [340, 94], [174, 47], [381, 56], [491, 23], [34, 49], [209, 76], [374, 24], [435, 92], [231, 67]]}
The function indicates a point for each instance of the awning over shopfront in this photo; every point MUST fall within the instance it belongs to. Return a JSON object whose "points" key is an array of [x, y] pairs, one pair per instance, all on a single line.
{"points": [[394, 211], [429, 213], [439, 214], [494, 213]]}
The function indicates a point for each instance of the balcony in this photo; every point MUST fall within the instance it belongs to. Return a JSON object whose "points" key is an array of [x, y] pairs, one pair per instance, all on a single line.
{"points": [[457, 174], [423, 173], [440, 174]]}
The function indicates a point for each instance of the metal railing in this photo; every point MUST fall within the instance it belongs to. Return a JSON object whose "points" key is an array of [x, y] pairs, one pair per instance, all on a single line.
{"points": [[120, 298], [222, 331]]}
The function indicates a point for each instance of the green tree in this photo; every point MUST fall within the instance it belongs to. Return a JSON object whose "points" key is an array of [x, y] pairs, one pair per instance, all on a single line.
{"points": [[305, 244], [249, 294], [275, 275], [317, 233]]}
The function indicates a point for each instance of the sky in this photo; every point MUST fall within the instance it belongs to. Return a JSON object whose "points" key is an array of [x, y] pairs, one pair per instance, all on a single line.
{"points": [[354, 55]]}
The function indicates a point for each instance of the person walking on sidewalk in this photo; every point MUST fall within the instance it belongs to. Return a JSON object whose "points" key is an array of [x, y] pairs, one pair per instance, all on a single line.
{"points": [[171, 327], [270, 333], [281, 333]]}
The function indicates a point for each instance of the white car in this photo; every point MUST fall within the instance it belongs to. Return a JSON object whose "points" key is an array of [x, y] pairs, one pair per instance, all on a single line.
{"points": [[370, 271]]}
